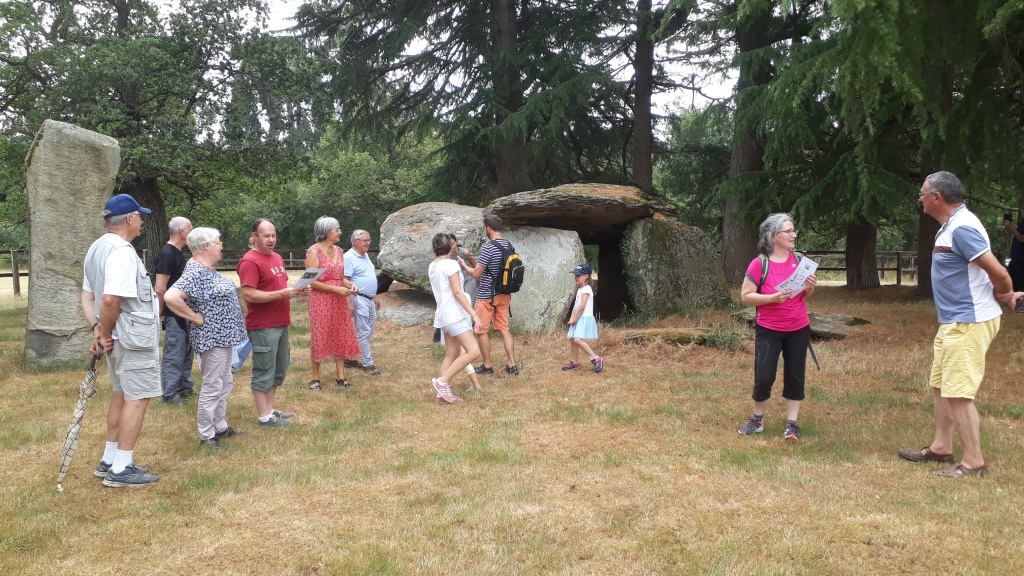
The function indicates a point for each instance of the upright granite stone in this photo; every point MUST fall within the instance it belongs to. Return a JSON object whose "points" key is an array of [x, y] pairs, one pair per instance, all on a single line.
{"points": [[405, 250], [70, 176], [670, 267], [549, 256]]}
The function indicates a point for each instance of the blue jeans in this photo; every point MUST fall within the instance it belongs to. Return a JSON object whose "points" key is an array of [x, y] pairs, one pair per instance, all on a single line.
{"points": [[176, 366], [242, 350], [365, 320]]}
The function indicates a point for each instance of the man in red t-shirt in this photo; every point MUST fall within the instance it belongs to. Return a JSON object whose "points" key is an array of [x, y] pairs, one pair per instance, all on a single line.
{"points": [[267, 297]]}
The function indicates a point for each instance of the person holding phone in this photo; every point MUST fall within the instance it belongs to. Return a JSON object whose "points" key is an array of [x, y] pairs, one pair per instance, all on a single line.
{"points": [[1016, 267]]}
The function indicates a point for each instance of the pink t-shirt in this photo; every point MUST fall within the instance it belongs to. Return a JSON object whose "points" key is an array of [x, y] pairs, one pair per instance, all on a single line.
{"points": [[787, 316]]}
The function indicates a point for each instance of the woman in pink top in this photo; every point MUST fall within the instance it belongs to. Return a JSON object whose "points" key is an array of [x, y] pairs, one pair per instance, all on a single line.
{"points": [[781, 325]]}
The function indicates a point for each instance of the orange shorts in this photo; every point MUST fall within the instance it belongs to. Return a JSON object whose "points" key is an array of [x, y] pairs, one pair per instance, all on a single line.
{"points": [[498, 313]]}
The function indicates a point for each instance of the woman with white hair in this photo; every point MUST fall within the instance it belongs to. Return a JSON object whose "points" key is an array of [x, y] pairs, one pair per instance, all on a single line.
{"points": [[332, 332], [209, 302], [781, 324]]}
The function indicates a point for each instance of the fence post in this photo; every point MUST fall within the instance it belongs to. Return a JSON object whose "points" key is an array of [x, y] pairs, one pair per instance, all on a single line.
{"points": [[15, 273], [899, 268]]}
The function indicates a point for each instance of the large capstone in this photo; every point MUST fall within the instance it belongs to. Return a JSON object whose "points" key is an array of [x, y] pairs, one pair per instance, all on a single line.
{"points": [[548, 288], [671, 267], [597, 212], [405, 236], [71, 174]]}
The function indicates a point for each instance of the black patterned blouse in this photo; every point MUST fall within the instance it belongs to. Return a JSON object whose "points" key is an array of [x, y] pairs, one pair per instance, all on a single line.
{"points": [[216, 298]]}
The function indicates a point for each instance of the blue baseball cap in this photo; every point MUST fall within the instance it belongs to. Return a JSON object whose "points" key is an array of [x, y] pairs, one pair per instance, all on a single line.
{"points": [[123, 204], [582, 269]]}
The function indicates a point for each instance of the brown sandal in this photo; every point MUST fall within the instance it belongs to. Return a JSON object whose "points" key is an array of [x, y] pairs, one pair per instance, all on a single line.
{"points": [[958, 470], [925, 454]]}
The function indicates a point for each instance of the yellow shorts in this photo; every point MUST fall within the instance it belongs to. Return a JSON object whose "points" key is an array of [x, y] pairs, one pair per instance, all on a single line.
{"points": [[959, 362]]}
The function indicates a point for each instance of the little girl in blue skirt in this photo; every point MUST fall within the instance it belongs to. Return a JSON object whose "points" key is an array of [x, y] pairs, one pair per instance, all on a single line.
{"points": [[582, 325]]}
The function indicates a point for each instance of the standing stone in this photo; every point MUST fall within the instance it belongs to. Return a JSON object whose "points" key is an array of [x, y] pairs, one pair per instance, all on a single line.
{"points": [[671, 267], [405, 249], [70, 176], [548, 290]]}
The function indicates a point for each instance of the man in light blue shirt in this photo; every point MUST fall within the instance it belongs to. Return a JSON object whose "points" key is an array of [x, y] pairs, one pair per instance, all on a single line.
{"points": [[969, 285], [361, 271]]}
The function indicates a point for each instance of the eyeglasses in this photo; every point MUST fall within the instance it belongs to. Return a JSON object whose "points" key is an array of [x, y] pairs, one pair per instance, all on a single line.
{"points": [[921, 195], [792, 232]]}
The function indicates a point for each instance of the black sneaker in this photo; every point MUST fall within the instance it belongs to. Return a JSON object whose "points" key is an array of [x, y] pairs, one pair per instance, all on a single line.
{"points": [[228, 433], [275, 422], [512, 370], [792, 431], [371, 370], [102, 468], [133, 476], [753, 426], [211, 444], [190, 393], [176, 399], [285, 415], [481, 369]]}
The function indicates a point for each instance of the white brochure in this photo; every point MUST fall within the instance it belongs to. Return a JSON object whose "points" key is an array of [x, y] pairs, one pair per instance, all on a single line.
{"points": [[308, 277], [795, 282]]}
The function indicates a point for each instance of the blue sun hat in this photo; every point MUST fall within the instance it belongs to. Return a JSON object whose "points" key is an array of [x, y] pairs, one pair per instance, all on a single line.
{"points": [[582, 269]]}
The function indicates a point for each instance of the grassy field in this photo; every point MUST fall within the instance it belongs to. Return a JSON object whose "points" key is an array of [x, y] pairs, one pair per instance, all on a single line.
{"points": [[637, 470]]}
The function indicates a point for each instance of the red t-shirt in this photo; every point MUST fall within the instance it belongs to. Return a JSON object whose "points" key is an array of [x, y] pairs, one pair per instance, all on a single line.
{"points": [[787, 316], [266, 273]]}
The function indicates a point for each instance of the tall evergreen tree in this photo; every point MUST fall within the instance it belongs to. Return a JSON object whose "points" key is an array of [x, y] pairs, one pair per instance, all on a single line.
{"points": [[520, 91]]}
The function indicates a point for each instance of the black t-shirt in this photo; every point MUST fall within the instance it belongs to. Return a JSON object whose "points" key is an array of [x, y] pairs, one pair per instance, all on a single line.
{"points": [[170, 261]]}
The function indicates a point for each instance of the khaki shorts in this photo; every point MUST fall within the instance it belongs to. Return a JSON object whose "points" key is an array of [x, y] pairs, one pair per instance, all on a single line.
{"points": [[136, 373], [959, 362], [498, 313]]}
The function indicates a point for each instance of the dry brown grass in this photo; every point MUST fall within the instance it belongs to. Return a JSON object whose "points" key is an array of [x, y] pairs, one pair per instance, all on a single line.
{"points": [[637, 470]]}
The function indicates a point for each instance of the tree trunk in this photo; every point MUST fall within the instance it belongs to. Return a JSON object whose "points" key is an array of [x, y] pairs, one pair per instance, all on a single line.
{"points": [[927, 227], [739, 239], [511, 168], [861, 264], [146, 192], [643, 69]]}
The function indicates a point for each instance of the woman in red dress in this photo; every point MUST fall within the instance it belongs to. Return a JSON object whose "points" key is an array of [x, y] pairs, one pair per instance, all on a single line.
{"points": [[332, 333]]}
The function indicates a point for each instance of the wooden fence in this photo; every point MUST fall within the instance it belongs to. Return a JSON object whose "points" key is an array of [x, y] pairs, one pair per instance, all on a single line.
{"points": [[294, 259]]}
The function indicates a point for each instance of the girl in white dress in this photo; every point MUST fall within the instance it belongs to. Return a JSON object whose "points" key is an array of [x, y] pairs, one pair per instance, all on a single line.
{"points": [[582, 324]]}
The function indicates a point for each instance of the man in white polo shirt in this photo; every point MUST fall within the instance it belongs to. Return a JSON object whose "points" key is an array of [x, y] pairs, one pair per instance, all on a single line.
{"points": [[969, 284], [119, 302]]}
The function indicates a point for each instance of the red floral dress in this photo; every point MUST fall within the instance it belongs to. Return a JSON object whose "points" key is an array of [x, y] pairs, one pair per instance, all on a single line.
{"points": [[332, 333]]}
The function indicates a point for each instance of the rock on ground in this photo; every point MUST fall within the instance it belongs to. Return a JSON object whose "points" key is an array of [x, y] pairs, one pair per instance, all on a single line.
{"points": [[405, 249], [671, 267], [548, 290]]}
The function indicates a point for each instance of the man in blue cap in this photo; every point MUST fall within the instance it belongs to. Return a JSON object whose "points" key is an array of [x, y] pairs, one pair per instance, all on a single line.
{"points": [[119, 302]]}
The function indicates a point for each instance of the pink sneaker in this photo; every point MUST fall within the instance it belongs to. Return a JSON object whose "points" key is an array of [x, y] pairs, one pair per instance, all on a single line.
{"points": [[443, 391]]}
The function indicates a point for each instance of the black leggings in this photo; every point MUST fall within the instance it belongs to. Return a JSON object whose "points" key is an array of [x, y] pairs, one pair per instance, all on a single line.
{"points": [[768, 344]]}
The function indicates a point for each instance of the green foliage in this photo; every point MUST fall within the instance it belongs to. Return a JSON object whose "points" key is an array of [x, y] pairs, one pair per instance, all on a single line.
{"points": [[168, 83], [694, 163]]}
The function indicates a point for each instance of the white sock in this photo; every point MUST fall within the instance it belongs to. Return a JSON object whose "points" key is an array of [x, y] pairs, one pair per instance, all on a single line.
{"points": [[122, 458], [108, 452], [266, 418]]}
